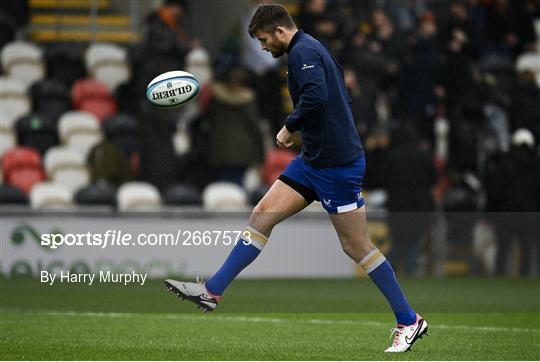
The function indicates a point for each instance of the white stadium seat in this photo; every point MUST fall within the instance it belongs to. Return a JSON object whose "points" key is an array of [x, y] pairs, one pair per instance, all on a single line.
{"points": [[49, 195], [66, 166], [529, 62], [80, 130], [108, 64], [138, 196], [14, 102], [224, 196], [23, 60], [7, 140]]}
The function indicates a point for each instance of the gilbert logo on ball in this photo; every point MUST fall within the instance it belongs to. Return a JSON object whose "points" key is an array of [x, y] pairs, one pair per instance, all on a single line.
{"points": [[172, 89]]}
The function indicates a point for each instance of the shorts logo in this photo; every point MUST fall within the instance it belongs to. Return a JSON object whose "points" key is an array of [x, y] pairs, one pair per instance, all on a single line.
{"points": [[327, 202], [359, 196]]}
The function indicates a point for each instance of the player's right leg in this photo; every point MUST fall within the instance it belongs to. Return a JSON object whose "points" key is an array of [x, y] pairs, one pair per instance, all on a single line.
{"points": [[280, 202]]}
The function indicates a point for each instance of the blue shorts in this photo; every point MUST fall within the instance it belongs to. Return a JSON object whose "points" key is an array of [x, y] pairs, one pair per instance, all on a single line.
{"points": [[339, 189]]}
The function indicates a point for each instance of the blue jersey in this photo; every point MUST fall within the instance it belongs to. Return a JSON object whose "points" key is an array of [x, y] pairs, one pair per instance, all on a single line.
{"points": [[322, 105]]}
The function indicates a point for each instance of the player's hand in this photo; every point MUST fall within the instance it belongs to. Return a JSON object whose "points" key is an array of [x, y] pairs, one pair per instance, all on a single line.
{"points": [[284, 138]]}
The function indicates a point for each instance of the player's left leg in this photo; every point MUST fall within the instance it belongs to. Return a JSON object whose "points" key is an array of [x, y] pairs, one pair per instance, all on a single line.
{"points": [[351, 228], [280, 202]]}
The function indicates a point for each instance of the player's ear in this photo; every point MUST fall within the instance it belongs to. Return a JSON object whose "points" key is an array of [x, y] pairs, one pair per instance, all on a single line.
{"points": [[279, 32]]}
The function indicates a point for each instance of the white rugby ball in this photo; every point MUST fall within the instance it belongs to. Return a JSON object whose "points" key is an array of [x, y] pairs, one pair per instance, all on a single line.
{"points": [[172, 89]]}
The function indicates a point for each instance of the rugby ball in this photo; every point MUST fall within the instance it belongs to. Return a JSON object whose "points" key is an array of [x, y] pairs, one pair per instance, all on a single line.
{"points": [[172, 89]]}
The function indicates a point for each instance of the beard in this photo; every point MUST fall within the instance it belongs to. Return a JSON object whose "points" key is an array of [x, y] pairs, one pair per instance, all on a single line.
{"points": [[278, 49]]}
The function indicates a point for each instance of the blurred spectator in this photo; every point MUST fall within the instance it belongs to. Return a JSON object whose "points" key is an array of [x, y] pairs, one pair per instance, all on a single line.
{"points": [[420, 77], [13, 16], [364, 78], [324, 21], [461, 39], [526, 104], [374, 57], [364, 111], [264, 73], [157, 161], [234, 140], [410, 176], [376, 146], [107, 163], [514, 192], [464, 26], [163, 48], [163, 28], [509, 29]]}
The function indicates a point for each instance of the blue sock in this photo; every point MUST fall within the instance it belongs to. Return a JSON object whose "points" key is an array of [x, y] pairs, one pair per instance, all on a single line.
{"points": [[240, 257], [382, 274]]}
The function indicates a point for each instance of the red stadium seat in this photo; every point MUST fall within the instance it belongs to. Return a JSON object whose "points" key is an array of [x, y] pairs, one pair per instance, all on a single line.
{"points": [[22, 168], [275, 163], [93, 96], [101, 108], [20, 158], [85, 89], [25, 178]]}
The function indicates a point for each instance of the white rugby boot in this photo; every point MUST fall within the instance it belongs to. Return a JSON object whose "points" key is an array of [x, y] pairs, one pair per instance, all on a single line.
{"points": [[405, 336], [194, 292]]}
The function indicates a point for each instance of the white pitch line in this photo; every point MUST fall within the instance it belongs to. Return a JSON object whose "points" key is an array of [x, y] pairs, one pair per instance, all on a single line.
{"points": [[284, 320]]}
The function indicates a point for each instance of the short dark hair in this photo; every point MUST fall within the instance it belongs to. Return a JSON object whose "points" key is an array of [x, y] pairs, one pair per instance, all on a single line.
{"points": [[268, 17]]}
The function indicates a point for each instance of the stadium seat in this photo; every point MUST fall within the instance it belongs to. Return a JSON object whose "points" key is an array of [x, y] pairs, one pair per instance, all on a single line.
{"points": [[182, 195], [7, 139], [67, 166], [37, 130], [10, 195], [14, 102], [275, 163], [64, 62], [221, 196], [50, 96], [93, 96], [122, 130], [51, 196], [80, 130], [20, 157], [101, 194], [138, 196], [23, 61], [26, 178], [108, 64], [22, 168], [101, 108]]}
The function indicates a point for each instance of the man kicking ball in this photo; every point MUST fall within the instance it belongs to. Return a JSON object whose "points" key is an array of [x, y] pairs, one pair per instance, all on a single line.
{"points": [[330, 169]]}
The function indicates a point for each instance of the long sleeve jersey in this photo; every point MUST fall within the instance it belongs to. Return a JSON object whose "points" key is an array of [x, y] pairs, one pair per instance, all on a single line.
{"points": [[322, 106]]}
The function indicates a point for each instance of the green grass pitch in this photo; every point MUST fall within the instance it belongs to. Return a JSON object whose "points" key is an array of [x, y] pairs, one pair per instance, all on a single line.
{"points": [[469, 319]]}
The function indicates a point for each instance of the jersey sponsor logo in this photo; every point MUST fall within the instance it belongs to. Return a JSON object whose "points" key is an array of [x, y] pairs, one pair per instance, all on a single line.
{"points": [[305, 66]]}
